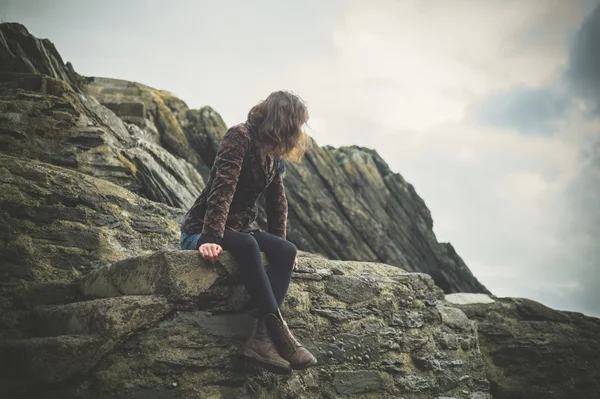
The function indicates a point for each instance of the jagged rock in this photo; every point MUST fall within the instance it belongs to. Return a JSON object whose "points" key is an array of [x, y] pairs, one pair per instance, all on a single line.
{"points": [[108, 317], [70, 339], [353, 382], [180, 277], [162, 117], [33, 361], [534, 352], [44, 119], [454, 318], [59, 224], [349, 290], [22, 52], [363, 349], [46, 116], [345, 203]]}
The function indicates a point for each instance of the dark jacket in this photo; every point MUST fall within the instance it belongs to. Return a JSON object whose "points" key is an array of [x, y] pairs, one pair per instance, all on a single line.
{"points": [[238, 177]]}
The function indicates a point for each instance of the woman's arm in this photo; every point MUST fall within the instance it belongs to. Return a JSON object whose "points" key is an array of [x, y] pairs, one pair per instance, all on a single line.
{"points": [[228, 163], [277, 206]]}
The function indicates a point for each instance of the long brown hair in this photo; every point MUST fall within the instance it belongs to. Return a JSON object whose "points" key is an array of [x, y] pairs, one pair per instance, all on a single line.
{"points": [[278, 121]]}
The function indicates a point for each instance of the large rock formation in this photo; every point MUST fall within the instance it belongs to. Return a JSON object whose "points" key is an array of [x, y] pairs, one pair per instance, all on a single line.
{"points": [[345, 203], [376, 330], [534, 352], [97, 301], [58, 225]]}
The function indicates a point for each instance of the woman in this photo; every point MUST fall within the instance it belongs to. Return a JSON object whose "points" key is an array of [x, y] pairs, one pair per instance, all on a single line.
{"points": [[250, 161]]}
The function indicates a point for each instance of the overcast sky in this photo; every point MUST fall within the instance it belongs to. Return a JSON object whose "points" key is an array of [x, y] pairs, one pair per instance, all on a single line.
{"points": [[488, 107]]}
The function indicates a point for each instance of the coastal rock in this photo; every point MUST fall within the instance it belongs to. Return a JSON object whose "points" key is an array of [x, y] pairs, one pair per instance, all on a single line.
{"points": [[59, 225], [345, 203], [361, 346], [535, 352], [69, 340]]}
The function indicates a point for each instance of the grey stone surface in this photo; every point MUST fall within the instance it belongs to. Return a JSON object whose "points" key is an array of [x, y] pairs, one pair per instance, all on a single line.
{"points": [[182, 277], [454, 318], [109, 317], [69, 340], [363, 347], [355, 382], [59, 225], [534, 352], [349, 289], [463, 298]]}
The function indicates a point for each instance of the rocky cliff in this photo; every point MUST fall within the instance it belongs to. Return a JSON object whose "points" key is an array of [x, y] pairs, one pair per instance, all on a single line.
{"points": [[345, 203], [97, 301]]}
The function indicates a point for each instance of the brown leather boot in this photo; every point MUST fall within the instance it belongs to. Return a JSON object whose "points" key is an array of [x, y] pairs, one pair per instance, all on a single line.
{"points": [[261, 349], [287, 345]]}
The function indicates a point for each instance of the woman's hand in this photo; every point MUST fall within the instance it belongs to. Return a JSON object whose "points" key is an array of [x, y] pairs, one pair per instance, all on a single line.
{"points": [[210, 251], [296, 263]]}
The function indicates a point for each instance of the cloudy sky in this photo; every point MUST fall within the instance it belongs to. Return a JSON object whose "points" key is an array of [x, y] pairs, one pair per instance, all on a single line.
{"points": [[488, 107]]}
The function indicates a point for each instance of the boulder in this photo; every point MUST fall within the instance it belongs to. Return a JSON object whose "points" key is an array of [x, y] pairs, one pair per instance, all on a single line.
{"points": [[59, 225], [69, 340], [534, 352], [391, 342]]}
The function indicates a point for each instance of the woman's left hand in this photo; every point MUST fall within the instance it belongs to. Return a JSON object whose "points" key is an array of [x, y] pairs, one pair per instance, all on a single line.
{"points": [[296, 263]]}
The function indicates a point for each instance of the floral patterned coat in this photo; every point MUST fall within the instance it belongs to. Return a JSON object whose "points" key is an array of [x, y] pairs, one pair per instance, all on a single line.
{"points": [[239, 175]]}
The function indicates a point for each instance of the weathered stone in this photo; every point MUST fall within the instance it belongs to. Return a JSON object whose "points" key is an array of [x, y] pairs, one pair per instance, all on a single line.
{"points": [[413, 383], [349, 290], [454, 318], [23, 52], [532, 351], [49, 359], [353, 382], [71, 200], [480, 395], [109, 317], [70, 339], [353, 342], [180, 276]]}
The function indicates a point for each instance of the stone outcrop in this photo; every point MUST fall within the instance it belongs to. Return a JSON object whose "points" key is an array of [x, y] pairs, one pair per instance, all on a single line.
{"points": [[65, 341], [376, 330], [345, 203], [45, 119], [59, 224], [23, 53], [534, 352]]}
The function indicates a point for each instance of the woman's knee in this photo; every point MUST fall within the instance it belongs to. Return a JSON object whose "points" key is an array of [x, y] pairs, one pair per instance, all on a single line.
{"points": [[287, 250], [244, 243]]}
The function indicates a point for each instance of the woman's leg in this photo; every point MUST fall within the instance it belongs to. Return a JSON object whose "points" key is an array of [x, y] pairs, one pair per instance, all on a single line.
{"points": [[246, 251], [281, 254], [259, 347]]}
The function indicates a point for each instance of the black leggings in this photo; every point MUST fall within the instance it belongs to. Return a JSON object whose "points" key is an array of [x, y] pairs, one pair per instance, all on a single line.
{"points": [[267, 289]]}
